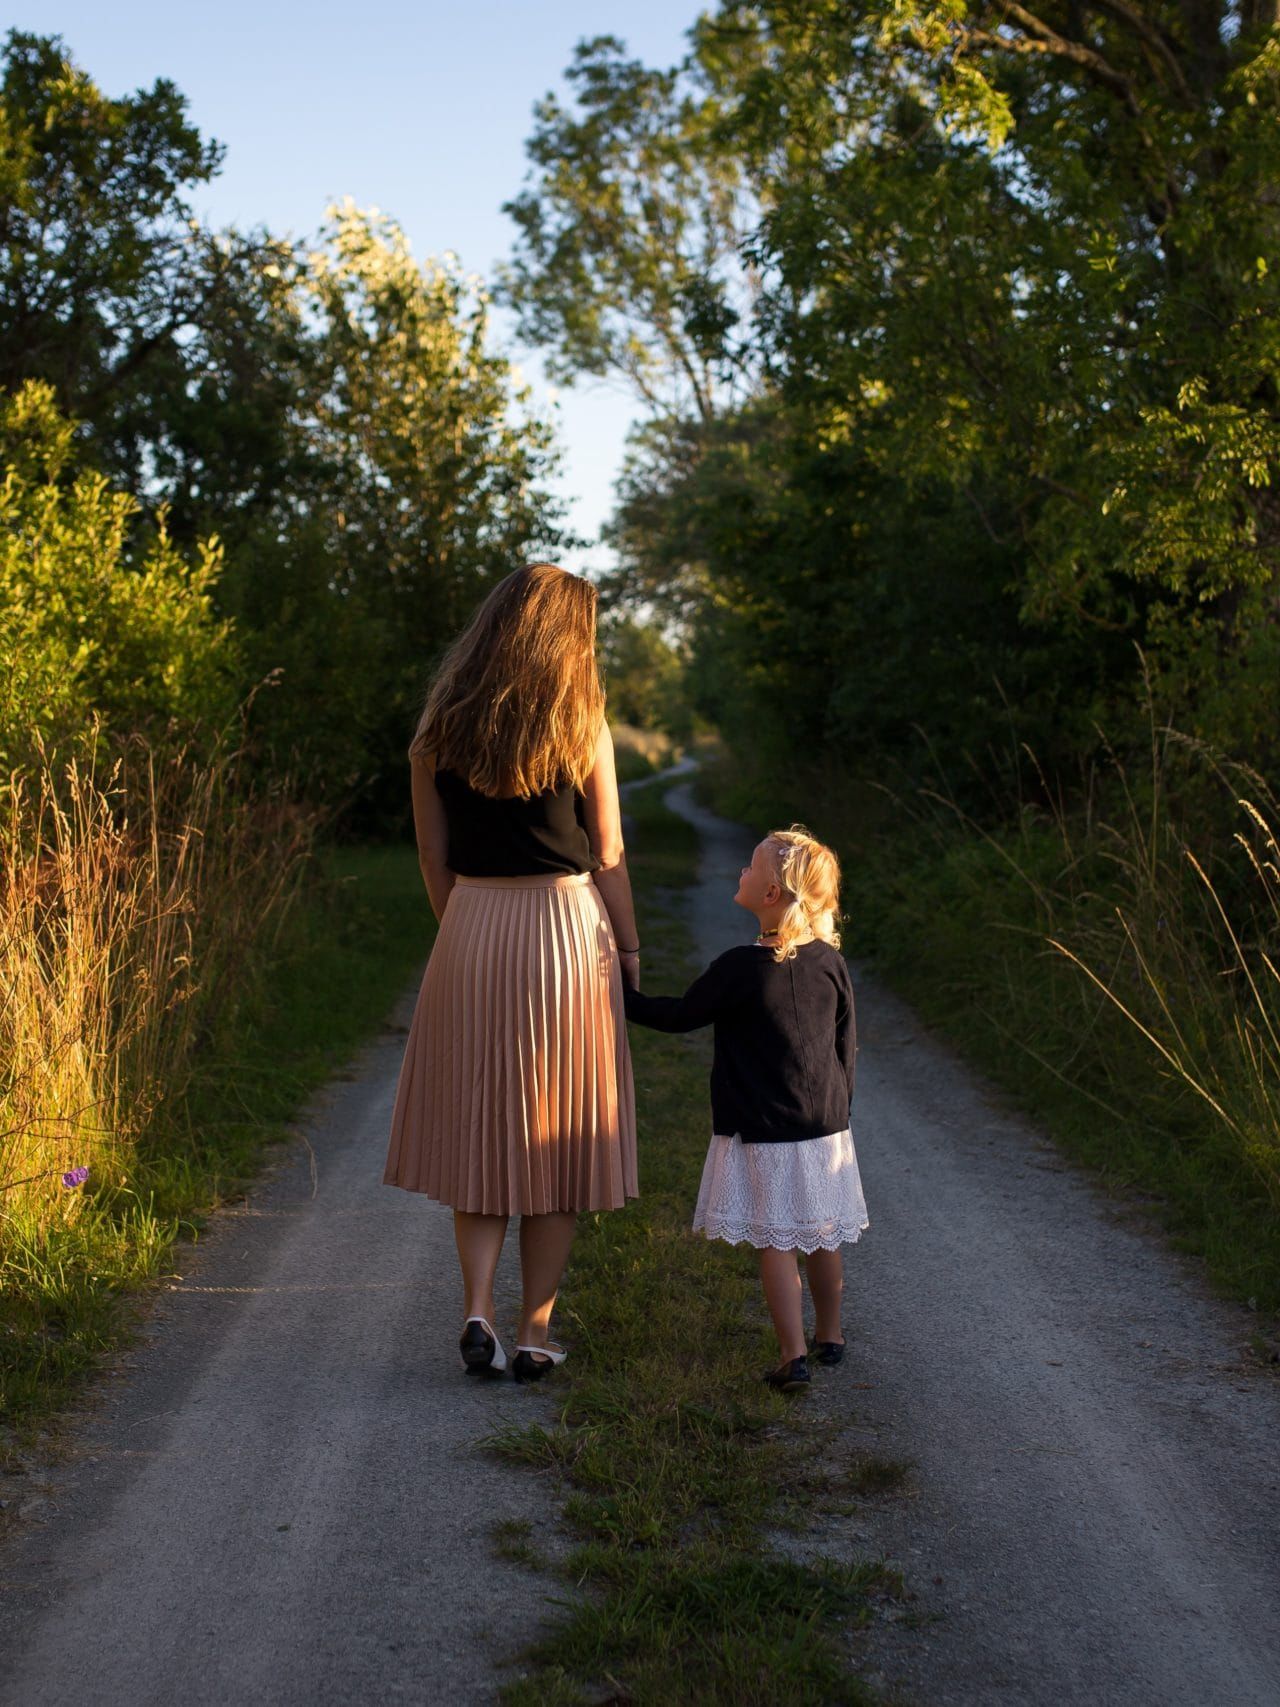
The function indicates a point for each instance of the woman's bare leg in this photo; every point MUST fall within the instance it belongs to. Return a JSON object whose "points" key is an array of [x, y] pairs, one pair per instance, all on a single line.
{"points": [[545, 1241], [780, 1277], [479, 1240], [826, 1283]]}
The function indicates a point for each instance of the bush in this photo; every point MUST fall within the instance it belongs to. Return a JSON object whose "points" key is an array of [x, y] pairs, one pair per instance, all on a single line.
{"points": [[94, 625]]}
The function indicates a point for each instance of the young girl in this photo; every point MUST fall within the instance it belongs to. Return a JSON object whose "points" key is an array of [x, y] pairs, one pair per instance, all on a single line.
{"points": [[781, 1173]]}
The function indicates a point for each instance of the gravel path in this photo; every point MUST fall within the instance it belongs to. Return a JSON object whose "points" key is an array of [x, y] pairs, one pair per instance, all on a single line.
{"points": [[279, 1499], [1093, 1516]]}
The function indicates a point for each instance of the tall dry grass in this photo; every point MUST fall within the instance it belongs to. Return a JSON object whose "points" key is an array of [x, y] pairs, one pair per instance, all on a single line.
{"points": [[133, 898], [1125, 943], [1188, 958]]}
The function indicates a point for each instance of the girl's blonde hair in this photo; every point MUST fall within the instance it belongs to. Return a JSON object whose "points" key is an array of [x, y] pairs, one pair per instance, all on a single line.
{"points": [[808, 873], [517, 704]]}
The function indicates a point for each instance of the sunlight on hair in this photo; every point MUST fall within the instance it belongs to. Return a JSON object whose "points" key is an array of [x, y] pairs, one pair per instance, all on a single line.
{"points": [[517, 704], [809, 873]]}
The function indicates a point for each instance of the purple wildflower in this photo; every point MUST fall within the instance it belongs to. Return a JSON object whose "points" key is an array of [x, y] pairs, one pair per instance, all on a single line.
{"points": [[76, 1177]]}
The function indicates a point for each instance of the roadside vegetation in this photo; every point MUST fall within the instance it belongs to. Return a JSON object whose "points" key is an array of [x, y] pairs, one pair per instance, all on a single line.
{"points": [[676, 1461], [164, 1030]]}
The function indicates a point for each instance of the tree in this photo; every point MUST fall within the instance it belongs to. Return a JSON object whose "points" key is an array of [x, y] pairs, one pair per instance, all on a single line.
{"points": [[95, 627], [1009, 284], [629, 256], [1033, 238], [334, 415], [418, 479], [645, 676], [93, 278]]}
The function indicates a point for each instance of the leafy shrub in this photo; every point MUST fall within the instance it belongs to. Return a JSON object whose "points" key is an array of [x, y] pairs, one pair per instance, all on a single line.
{"points": [[94, 623]]}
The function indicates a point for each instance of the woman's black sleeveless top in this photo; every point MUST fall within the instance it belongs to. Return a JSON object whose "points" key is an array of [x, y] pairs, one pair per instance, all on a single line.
{"points": [[544, 836]]}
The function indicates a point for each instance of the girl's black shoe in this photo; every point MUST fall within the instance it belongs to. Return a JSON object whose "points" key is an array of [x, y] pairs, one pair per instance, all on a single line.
{"points": [[828, 1352], [790, 1378]]}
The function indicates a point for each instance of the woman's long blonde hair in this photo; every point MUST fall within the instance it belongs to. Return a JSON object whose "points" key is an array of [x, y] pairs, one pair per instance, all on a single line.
{"points": [[808, 873], [516, 706]]}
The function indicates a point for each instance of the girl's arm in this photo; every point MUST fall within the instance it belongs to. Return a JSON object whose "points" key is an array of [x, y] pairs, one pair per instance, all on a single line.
{"points": [[701, 1004], [432, 833], [604, 832]]}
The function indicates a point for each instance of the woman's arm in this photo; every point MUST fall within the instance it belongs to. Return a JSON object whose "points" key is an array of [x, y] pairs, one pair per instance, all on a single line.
{"points": [[604, 832], [432, 832]]}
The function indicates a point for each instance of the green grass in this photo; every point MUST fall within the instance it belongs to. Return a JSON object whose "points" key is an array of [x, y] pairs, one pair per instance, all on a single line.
{"points": [[347, 948], [346, 952], [959, 923], [513, 1540], [1066, 1057], [674, 1457]]}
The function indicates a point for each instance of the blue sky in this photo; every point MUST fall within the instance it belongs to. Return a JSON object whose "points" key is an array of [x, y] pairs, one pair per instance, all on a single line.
{"points": [[419, 110]]}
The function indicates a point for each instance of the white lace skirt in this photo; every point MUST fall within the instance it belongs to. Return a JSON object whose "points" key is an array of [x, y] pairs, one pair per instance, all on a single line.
{"points": [[801, 1196]]}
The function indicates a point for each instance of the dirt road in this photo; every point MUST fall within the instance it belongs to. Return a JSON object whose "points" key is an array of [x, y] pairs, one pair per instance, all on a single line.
{"points": [[1095, 1509], [279, 1499]]}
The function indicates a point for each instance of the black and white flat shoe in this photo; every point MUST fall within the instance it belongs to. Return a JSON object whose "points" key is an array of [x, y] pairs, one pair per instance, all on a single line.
{"points": [[828, 1352], [533, 1361], [791, 1377], [481, 1349]]}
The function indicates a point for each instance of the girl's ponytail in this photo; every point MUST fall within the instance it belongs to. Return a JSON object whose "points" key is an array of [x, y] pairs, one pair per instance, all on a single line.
{"points": [[808, 874]]}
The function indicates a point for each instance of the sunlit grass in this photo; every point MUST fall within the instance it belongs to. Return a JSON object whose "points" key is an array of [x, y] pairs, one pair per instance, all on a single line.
{"points": [[1208, 1000], [130, 904]]}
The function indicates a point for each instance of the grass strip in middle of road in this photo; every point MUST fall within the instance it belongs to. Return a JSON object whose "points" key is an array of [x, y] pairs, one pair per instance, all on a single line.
{"points": [[676, 1459]]}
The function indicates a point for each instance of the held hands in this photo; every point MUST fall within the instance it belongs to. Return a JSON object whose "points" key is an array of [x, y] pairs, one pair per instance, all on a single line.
{"points": [[630, 962]]}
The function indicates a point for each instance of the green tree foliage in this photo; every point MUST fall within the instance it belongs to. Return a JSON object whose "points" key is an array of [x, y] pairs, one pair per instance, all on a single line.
{"points": [[97, 623], [94, 274], [1038, 240], [645, 675], [629, 258], [1014, 351], [417, 479], [333, 413]]}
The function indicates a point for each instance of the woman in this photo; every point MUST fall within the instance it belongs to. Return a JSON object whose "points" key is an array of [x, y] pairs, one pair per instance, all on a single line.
{"points": [[515, 1097]]}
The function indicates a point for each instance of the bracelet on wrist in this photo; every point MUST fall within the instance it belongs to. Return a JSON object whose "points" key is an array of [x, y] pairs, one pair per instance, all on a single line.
{"points": [[630, 951]]}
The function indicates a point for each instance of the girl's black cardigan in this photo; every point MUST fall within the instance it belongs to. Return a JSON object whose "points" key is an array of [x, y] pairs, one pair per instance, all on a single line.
{"points": [[785, 1040]]}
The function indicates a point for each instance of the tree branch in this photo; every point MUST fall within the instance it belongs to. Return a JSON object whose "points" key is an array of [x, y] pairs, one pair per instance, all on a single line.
{"points": [[1061, 489], [1041, 39], [1154, 37]]}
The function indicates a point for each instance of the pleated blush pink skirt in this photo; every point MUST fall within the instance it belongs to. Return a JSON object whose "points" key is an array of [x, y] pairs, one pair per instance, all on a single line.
{"points": [[515, 1097]]}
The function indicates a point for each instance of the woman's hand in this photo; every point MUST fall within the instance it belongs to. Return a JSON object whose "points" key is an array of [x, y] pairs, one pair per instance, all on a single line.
{"points": [[630, 964]]}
